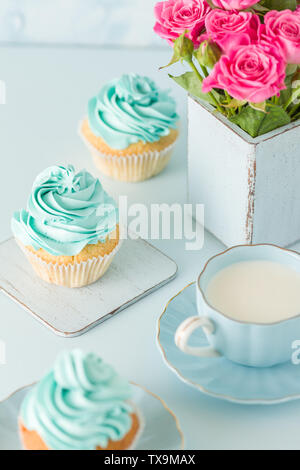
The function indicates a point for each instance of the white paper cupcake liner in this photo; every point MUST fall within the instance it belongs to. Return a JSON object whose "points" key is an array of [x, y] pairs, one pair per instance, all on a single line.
{"points": [[131, 168], [71, 275]]}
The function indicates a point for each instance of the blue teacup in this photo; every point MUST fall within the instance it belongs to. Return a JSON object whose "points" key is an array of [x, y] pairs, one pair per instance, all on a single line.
{"points": [[249, 344]]}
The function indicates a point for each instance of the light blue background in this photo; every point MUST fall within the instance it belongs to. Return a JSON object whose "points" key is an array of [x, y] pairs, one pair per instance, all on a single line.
{"points": [[101, 22], [47, 92]]}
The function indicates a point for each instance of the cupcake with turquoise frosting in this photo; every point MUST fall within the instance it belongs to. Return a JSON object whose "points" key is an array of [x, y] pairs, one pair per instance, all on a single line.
{"points": [[131, 128], [69, 230], [81, 404]]}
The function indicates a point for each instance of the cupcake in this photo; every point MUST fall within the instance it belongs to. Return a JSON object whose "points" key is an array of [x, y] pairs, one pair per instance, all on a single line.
{"points": [[81, 404], [131, 128], [70, 230]]}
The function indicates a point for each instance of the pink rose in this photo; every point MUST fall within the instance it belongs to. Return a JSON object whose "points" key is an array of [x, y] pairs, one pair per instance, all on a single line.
{"points": [[234, 4], [285, 27], [227, 28], [253, 73], [175, 16]]}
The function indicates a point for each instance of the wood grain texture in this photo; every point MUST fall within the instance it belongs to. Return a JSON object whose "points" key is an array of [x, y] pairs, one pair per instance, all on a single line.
{"points": [[250, 187], [137, 270], [218, 175]]}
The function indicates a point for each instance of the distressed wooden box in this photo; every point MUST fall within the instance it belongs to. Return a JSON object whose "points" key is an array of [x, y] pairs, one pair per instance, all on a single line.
{"points": [[250, 187]]}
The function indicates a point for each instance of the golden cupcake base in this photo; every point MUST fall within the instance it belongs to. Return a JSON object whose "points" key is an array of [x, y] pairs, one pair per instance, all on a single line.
{"points": [[31, 440], [74, 271], [137, 163]]}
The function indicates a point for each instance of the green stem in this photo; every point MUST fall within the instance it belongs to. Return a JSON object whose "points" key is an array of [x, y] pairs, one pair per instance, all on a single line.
{"points": [[204, 70], [260, 14], [271, 104], [231, 111], [294, 110], [196, 71], [296, 117], [288, 103], [227, 96], [217, 104]]}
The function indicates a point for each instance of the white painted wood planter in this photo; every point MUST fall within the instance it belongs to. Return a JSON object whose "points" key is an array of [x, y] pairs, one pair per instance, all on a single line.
{"points": [[250, 187]]}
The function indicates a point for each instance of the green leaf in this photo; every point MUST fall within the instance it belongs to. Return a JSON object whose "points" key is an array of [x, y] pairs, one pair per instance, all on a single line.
{"points": [[259, 7], [173, 61], [234, 104], [296, 76], [211, 4], [285, 95], [280, 4], [259, 106], [257, 123], [190, 82], [291, 69], [292, 93], [295, 95], [183, 50]]}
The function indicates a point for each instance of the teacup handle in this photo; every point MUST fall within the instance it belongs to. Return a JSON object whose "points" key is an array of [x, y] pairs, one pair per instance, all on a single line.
{"points": [[185, 331]]}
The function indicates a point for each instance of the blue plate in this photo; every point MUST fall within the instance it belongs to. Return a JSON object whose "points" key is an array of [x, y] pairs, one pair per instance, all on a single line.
{"points": [[219, 377], [161, 428]]}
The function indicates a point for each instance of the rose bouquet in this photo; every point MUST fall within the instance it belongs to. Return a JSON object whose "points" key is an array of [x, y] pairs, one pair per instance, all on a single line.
{"points": [[243, 55]]}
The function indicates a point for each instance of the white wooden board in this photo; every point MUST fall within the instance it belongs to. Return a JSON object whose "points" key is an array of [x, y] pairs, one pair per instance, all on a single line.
{"points": [[137, 270]]}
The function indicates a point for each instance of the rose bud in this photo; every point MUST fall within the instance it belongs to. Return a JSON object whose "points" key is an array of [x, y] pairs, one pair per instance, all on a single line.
{"points": [[208, 54], [184, 48]]}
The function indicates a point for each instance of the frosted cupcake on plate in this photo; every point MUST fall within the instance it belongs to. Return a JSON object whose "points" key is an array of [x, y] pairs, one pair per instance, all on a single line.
{"points": [[81, 404], [131, 128], [70, 230]]}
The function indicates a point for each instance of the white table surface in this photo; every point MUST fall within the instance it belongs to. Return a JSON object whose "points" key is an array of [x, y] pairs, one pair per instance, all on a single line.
{"points": [[47, 92]]}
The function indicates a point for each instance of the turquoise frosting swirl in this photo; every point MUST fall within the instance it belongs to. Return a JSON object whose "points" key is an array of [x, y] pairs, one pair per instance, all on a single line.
{"points": [[130, 110], [79, 405], [65, 212]]}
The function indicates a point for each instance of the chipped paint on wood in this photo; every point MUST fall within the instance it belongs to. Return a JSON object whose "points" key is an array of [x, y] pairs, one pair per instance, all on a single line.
{"points": [[251, 197], [137, 270], [249, 187]]}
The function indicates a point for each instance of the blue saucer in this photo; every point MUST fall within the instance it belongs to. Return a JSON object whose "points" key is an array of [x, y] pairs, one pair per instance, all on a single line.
{"points": [[220, 377]]}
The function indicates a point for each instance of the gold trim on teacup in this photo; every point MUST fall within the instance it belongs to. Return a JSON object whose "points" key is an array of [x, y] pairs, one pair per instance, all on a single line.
{"points": [[202, 389], [291, 252]]}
